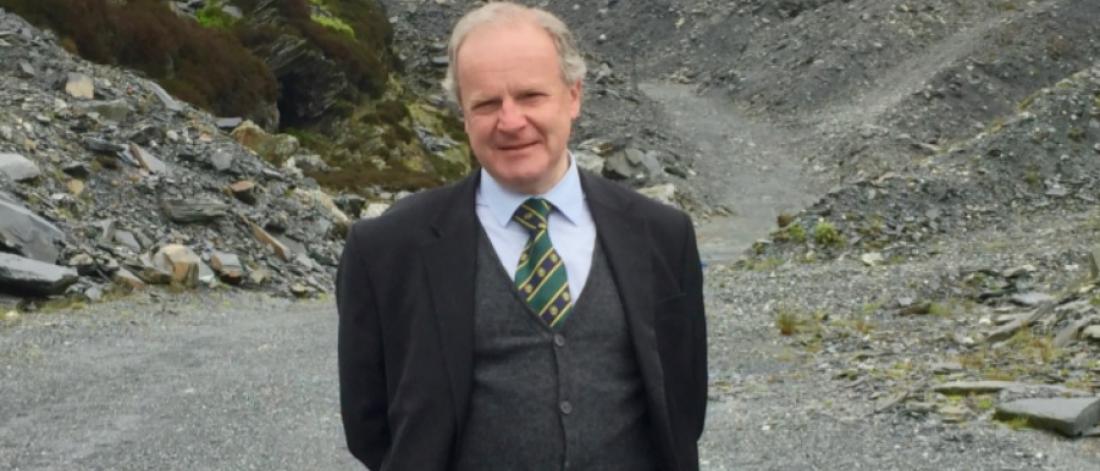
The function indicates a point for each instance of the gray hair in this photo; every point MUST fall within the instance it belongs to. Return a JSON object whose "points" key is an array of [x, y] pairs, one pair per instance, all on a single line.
{"points": [[569, 56]]}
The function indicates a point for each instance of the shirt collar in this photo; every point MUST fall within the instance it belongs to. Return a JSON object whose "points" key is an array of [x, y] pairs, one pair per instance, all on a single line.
{"points": [[567, 196]]}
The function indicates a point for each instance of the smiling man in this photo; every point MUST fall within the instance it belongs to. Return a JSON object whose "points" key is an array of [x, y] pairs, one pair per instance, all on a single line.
{"points": [[531, 316]]}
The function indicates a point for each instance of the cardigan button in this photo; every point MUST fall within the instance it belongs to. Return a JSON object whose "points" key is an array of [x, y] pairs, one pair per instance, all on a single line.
{"points": [[566, 407], [559, 340]]}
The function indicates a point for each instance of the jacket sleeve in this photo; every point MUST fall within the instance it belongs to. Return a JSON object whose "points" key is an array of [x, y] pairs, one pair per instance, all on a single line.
{"points": [[693, 289], [363, 396]]}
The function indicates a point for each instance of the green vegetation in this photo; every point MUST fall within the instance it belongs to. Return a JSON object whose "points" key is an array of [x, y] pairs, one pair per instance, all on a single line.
{"points": [[335, 24], [212, 16], [207, 68], [825, 234], [791, 233]]}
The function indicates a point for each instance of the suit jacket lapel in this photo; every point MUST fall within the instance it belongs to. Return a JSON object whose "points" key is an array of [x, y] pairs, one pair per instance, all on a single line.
{"points": [[451, 261], [623, 236]]}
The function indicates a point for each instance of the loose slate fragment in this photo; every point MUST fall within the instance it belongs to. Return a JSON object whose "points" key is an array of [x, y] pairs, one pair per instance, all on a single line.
{"points": [[21, 275], [17, 167], [27, 234], [197, 211], [1069, 416]]}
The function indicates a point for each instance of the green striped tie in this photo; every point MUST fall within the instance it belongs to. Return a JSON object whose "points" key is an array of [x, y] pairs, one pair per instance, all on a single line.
{"points": [[540, 277]]}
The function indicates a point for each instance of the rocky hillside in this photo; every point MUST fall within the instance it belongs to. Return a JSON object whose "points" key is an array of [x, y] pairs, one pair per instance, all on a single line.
{"points": [[106, 180], [320, 70]]}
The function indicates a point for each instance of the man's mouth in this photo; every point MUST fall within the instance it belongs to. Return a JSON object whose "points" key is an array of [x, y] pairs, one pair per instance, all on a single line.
{"points": [[512, 147]]}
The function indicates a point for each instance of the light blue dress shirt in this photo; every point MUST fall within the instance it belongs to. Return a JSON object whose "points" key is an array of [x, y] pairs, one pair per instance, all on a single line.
{"points": [[572, 230]]}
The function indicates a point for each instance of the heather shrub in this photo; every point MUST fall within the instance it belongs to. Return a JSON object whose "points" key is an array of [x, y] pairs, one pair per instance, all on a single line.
{"points": [[208, 68]]}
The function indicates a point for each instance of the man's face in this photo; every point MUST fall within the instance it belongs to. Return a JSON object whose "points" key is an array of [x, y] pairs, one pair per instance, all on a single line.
{"points": [[518, 110]]}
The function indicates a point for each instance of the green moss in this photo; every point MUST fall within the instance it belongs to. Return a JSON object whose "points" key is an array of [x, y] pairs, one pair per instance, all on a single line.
{"points": [[826, 234], [212, 16], [335, 24]]}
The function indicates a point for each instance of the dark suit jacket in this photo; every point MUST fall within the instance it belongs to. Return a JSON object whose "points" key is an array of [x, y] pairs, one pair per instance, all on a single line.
{"points": [[405, 293]]}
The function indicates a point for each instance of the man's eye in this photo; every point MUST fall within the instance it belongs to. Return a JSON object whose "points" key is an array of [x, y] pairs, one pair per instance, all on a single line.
{"points": [[485, 105], [532, 95]]}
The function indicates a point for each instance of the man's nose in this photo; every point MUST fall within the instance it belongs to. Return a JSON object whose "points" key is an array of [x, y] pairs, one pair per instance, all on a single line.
{"points": [[511, 117]]}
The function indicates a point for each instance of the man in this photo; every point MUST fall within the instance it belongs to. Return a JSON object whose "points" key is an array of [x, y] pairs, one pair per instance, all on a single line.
{"points": [[531, 316]]}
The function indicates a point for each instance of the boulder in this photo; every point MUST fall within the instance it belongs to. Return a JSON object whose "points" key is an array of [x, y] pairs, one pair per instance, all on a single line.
{"points": [[181, 262], [25, 233], [80, 86], [17, 167], [1069, 416], [25, 276], [278, 147]]}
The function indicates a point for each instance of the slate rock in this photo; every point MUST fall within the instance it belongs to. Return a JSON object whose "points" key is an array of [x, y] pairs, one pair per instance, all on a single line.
{"points": [[228, 267], [26, 234], [267, 239], [187, 211], [588, 161], [665, 193], [17, 167], [374, 210], [76, 169], [1031, 299], [147, 160], [125, 278], [1069, 416], [244, 191], [25, 276], [113, 110]]}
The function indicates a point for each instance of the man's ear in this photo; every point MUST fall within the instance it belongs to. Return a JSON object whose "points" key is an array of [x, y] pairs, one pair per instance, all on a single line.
{"points": [[576, 95]]}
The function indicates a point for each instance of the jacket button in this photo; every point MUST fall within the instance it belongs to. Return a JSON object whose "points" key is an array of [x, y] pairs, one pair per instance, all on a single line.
{"points": [[566, 407], [559, 340]]}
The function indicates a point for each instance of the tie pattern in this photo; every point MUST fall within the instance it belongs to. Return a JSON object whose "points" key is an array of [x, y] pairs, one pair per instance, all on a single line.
{"points": [[540, 277]]}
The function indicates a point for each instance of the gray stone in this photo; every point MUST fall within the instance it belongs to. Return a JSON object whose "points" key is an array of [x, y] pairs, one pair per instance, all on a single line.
{"points": [[975, 387], [1091, 333], [227, 266], [221, 160], [76, 169], [591, 162], [25, 276], [228, 123], [18, 168], [27, 234], [1068, 334], [872, 259], [113, 110], [616, 167], [26, 70], [147, 160], [165, 98], [102, 146], [1032, 298], [80, 86], [665, 193], [207, 275], [1069, 416], [127, 239], [946, 367], [186, 211], [374, 210]]}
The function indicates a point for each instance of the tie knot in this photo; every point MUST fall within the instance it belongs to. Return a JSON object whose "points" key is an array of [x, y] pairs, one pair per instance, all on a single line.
{"points": [[533, 214]]}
